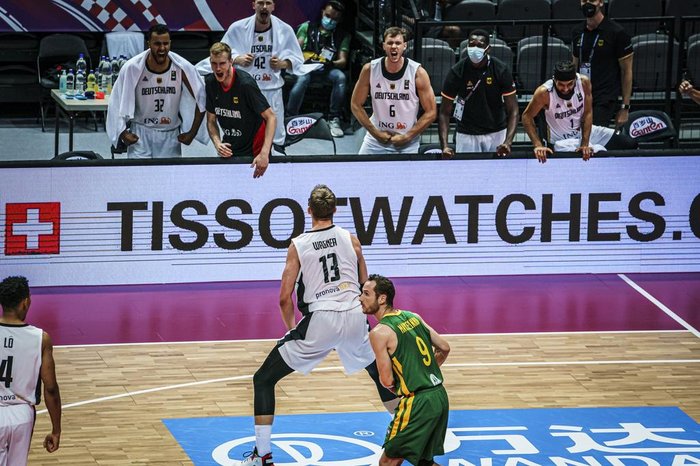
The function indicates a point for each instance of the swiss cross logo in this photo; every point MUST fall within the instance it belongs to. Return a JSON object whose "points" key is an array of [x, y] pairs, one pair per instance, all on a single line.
{"points": [[33, 228]]}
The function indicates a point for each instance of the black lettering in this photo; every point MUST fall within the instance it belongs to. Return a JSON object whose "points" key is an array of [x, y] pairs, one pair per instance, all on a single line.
{"points": [[595, 216], [502, 218], [157, 225], [434, 204], [200, 230], [265, 227], [636, 211], [226, 221], [473, 214], [573, 217], [694, 216], [394, 235], [127, 220]]}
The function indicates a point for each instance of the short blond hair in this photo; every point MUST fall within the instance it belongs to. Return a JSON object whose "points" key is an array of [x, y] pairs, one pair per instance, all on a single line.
{"points": [[218, 48]]}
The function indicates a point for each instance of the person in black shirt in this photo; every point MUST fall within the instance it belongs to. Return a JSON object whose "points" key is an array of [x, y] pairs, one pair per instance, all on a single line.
{"points": [[480, 93], [603, 52], [235, 102]]}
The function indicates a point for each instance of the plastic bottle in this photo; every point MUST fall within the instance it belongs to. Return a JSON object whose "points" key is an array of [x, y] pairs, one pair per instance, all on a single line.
{"points": [[106, 76], [70, 84], [114, 69], [122, 60], [97, 74], [79, 83], [81, 65], [91, 81], [62, 85]]}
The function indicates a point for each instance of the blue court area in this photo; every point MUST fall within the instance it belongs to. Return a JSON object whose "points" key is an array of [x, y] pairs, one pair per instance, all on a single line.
{"points": [[638, 436]]}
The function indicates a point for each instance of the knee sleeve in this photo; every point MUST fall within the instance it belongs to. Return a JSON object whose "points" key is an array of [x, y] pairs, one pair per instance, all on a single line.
{"points": [[621, 141], [384, 393], [271, 371]]}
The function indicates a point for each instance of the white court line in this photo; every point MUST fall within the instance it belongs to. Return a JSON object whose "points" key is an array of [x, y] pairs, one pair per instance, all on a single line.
{"points": [[340, 368], [587, 332], [660, 305]]}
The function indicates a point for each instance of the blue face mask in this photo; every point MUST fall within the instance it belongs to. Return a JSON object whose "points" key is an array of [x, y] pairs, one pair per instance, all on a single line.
{"points": [[328, 24], [476, 54]]}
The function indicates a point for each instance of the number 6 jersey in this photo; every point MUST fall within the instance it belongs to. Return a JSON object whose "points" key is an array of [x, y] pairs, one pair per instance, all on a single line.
{"points": [[328, 277], [20, 362]]}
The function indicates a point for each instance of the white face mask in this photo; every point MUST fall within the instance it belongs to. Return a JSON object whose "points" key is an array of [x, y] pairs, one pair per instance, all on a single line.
{"points": [[476, 54]]}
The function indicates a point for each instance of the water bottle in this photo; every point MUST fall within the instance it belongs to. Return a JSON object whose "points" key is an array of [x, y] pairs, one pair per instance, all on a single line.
{"points": [[105, 75], [62, 85], [122, 60], [438, 11], [80, 83], [114, 69], [92, 81], [70, 85], [81, 65]]}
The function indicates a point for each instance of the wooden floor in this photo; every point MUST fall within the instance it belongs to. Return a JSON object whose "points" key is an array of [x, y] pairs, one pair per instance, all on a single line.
{"points": [[115, 396]]}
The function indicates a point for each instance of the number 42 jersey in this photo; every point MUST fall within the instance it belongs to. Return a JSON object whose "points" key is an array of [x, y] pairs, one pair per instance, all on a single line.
{"points": [[328, 277]]}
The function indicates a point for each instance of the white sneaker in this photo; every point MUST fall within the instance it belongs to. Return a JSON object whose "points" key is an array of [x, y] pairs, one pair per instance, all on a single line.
{"points": [[255, 460], [336, 130]]}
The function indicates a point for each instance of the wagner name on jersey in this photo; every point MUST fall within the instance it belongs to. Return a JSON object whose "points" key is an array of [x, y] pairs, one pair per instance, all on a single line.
{"points": [[20, 362], [328, 277], [158, 98], [395, 102], [564, 116]]}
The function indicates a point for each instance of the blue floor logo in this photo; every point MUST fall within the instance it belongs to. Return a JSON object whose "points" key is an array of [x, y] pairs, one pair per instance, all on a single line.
{"points": [[528, 437]]}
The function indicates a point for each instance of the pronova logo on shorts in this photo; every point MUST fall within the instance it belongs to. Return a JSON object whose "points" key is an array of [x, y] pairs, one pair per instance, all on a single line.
{"points": [[300, 125], [32, 228], [646, 125]]}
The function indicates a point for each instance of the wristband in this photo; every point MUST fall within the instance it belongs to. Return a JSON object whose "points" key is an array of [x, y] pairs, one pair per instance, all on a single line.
{"points": [[625, 106]]}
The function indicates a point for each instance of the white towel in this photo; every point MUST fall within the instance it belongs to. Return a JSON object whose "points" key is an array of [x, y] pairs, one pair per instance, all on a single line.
{"points": [[122, 102]]}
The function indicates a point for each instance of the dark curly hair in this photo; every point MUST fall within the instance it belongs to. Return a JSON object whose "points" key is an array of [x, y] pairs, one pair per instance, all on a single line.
{"points": [[13, 290]]}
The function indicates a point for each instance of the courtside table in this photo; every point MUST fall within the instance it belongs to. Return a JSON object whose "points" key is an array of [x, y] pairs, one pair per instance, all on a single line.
{"points": [[69, 107]]}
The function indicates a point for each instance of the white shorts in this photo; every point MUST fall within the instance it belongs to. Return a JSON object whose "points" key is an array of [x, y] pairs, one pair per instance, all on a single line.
{"points": [[275, 99], [153, 143], [371, 146], [16, 427], [320, 332], [479, 142], [599, 138]]}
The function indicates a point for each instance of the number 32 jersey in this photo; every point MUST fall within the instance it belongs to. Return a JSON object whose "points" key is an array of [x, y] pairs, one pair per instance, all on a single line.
{"points": [[328, 277], [158, 98]]}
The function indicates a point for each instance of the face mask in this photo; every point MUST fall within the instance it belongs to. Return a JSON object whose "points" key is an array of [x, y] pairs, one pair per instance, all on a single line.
{"points": [[476, 54], [589, 10], [328, 24]]}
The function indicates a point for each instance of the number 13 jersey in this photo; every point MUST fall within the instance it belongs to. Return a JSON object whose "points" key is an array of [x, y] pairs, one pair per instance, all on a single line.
{"points": [[328, 277]]}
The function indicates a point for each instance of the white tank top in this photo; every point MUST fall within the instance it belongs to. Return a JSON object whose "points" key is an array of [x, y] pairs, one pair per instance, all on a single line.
{"points": [[564, 116], [20, 362], [395, 103], [328, 278], [260, 69], [158, 98]]}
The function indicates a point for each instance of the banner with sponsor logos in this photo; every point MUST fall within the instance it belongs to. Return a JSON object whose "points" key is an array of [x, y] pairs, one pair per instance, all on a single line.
{"points": [[138, 15], [70, 225]]}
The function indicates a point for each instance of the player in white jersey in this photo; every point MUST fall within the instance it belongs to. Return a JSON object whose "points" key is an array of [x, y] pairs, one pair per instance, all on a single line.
{"points": [[26, 357], [154, 131], [326, 267], [568, 109], [264, 51], [398, 86]]}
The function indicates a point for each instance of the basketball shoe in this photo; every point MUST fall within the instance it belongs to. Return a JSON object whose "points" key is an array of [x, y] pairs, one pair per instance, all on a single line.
{"points": [[256, 460]]}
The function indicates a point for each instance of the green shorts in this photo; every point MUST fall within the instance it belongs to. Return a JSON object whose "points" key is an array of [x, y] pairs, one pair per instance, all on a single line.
{"points": [[417, 431]]}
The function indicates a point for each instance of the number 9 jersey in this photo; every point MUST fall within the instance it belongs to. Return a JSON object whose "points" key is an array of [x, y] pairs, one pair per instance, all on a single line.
{"points": [[328, 277]]}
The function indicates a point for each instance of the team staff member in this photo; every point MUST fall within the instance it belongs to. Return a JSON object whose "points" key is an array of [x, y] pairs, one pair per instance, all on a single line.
{"points": [[326, 266], [153, 90], [603, 52], [479, 92], [235, 103], [399, 86], [26, 356], [409, 354]]}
